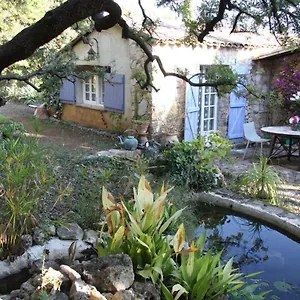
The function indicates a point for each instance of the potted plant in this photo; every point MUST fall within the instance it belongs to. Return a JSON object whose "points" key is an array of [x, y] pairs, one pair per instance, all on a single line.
{"points": [[141, 125], [172, 125], [295, 122], [141, 114]]}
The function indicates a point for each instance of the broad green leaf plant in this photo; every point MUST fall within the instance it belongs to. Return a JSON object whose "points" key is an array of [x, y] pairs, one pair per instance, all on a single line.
{"points": [[138, 227]]}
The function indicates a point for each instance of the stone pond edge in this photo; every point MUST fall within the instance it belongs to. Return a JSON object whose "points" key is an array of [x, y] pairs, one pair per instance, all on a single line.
{"points": [[281, 219]]}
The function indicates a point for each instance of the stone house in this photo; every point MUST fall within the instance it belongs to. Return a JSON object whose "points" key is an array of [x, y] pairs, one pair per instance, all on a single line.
{"points": [[266, 69], [113, 100]]}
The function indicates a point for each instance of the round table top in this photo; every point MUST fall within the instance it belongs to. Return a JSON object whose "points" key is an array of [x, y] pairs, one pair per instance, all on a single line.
{"points": [[281, 130]]}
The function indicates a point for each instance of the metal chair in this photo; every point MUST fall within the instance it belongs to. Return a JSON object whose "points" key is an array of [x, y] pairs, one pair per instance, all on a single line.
{"points": [[252, 137]]}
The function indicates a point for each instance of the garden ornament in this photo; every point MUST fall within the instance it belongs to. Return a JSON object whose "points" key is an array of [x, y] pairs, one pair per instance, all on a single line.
{"points": [[152, 149], [129, 142]]}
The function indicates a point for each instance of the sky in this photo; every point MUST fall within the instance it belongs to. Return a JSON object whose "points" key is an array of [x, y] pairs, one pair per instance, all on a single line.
{"points": [[150, 7]]}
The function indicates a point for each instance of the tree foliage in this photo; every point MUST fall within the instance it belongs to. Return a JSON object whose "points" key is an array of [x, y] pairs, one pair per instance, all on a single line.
{"points": [[30, 39]]}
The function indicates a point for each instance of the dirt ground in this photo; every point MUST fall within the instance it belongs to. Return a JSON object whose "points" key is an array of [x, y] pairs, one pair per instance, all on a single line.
{"points": [[53, 132]]}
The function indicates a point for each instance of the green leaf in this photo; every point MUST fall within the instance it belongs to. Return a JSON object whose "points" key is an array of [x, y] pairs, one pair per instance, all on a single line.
{"points": [[179, 239], [190, 264], [228, 268], [146, 273], [101, 251], [201, 241], [142, 243], [118, 238], [167, 294], [282, 286], [165, 226], [180, 291]]}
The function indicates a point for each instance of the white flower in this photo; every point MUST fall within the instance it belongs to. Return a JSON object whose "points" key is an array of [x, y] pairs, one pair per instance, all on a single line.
{"points": [[295, 97]]}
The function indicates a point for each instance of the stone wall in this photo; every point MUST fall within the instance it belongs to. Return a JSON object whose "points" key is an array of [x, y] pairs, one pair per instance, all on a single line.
{"points": [[141, 106], [263, 75], [223, 113]]}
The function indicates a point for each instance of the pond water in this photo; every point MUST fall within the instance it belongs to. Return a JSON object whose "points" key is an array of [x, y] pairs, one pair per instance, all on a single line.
{"points": [[255, 247]]}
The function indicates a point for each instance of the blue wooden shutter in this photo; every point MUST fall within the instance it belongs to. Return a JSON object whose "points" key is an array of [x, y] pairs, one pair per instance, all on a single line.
{"points": [[236, 116], [191, 113], [114, 93], [67, 92]]}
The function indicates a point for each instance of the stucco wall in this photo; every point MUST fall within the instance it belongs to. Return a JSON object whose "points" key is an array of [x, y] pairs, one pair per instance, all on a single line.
{"points": [[121, 55], [94, 118], [178, 56]]}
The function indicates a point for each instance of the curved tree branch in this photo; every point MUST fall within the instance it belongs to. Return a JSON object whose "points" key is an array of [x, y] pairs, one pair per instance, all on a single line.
{"points": [[209, 26], [54, 23], [130, 34]]}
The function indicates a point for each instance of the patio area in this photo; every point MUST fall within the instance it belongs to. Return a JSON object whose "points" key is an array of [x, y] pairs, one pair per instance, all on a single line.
{"points": [[287, 170]]}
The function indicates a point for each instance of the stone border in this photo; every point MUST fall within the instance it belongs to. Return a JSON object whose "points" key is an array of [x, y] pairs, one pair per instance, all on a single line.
{"points": [[279, 218]]}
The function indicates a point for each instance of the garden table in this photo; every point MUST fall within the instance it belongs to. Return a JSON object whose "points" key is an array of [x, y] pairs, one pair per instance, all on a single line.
{"points": [[279, 148]]}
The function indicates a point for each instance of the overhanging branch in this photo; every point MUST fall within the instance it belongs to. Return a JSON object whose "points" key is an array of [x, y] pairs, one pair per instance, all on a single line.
{"points": [[53, 24]]}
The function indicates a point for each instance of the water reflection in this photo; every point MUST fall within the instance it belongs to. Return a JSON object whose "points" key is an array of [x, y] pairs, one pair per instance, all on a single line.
{"points": [[255, 247]]}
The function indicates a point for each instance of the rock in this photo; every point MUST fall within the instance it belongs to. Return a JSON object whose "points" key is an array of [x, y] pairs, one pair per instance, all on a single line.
{"points": [[36, 280], [58, 296], [111, 273], [80, 290], [108, 296], [26, 241], [38, 236], [124, 295], [70, 231], [27, 287], [147, 290], [96, 295], [19, 294], [38, 265], [2, 101], [57, 249], [51, 230], [72, 274], [52, 278], [91, 237]]}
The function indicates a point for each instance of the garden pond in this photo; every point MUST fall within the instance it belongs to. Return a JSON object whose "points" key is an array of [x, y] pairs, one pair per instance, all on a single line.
{"points": [[254, 247]]}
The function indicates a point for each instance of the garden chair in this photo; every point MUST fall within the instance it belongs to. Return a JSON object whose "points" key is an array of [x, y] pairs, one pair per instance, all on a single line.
{"points": [[252, 137]]}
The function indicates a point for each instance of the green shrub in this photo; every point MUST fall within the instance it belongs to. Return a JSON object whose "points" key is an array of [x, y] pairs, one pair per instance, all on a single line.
{"points": [[261, 182], [9, 129], [194, 163], [24, 178]]}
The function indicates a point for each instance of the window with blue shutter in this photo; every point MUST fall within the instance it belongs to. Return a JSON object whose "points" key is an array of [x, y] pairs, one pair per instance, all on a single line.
{"points": [[67, 92], [114, 93]]}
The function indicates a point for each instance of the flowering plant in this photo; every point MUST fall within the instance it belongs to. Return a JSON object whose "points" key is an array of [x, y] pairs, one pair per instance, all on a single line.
{"points": [[294, 120], [295, 97], [288, 82]]}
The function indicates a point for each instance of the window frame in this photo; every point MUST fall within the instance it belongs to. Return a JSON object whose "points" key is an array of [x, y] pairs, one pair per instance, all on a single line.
{"points": [[99, 91], [209, 93]]}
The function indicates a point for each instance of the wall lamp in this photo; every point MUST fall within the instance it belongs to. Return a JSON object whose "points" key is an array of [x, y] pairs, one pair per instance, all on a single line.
{"points": [[92, 54]]}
